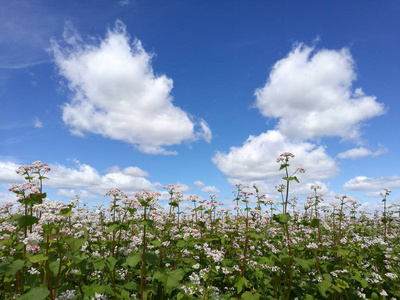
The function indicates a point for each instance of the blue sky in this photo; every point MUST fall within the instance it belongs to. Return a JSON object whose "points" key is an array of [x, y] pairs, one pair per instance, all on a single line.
{"points": [[205, 94]]}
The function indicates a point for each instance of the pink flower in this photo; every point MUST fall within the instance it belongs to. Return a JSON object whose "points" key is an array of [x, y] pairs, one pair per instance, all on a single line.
{"points": [[34, 249], [287, 154], [301, 170]]}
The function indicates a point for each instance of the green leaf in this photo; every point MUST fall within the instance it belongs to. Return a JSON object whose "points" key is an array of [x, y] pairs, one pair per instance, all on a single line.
{"points": [[25, 221], [13, 268], [306, 265], [133, 259], [181, 244], [283, 166], [96, 288], [131, 285], [38, 293], [113, 228], [282, 218], [38, 258], [174, 204], [323, 287], [374, 296], [147, 223], [156, 243], [143, 202], [38, 198], [240, 283], [151, 258], [341, 283], [111, 261], [67, 211], [99, 264], [74, 243], [170, 281], [315, 223], [343, 252], [54, 266], [360, 279], [250, 296]]}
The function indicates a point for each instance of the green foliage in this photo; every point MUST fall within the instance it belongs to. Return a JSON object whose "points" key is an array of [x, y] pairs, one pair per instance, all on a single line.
{"points": [[282, 218], [37, 293], [49, 249]]}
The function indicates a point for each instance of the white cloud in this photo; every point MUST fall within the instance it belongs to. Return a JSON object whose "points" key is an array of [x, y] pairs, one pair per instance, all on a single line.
{"points": [[367, 183], [116, 94], [256, 159], [71, 193], [84, 177], [199, 183], [135, 171], [205, 132], [361, 152], [374, 194], [206, 188], [7, 198], [210, 189], [37, 123], [310, 93], [8, 174]]}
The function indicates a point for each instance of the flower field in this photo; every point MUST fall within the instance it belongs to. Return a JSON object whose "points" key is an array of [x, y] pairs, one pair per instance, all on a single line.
{"points": [[135, 249]]}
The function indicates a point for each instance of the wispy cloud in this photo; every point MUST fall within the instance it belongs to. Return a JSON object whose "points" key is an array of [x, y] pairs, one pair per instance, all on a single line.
{"points": [[124, 2], [25, 65], [117, 95], [37, 123]]}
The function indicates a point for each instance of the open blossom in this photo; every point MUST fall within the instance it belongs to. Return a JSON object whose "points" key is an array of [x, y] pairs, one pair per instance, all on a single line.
{"points": [[315, 187], [67, 295], [33, 271], [34, 249], [287, 154], [33, 239], [386, 192], [116, 193], [26, 188], [171, 187], [301, 170], [36, 167], [284, 157]]}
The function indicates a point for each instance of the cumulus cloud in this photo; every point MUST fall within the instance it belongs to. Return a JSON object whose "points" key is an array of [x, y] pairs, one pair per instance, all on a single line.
{"points": [[71, 193], [361, 152], [116, 94], [367, 183], [8, 174], [6, 198], [256, 159], [310, 93], [84, 178]]}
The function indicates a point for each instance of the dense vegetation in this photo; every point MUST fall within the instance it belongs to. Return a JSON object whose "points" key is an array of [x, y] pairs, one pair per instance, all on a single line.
{"points": [[134, 249]]}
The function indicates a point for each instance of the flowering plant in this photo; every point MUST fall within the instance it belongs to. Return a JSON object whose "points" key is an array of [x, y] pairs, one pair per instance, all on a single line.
{"points": [[134, 249]]}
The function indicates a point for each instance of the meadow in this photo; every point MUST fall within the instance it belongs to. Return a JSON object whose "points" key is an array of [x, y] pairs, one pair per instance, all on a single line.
{"points": [[135, 249]]}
